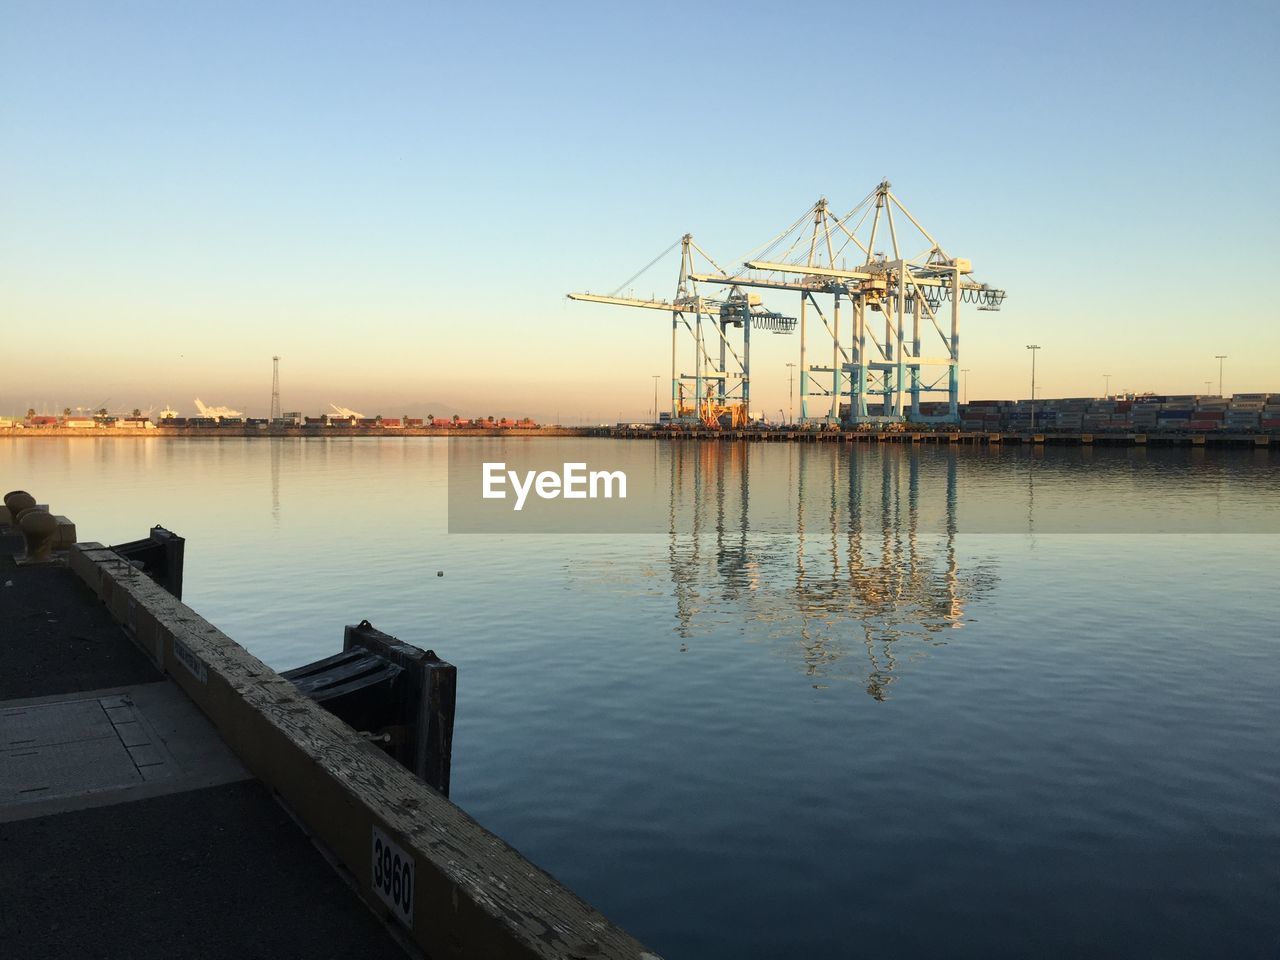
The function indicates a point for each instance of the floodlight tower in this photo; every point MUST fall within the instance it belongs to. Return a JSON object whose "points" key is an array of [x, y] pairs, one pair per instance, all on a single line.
{"points": [[275, 389]]}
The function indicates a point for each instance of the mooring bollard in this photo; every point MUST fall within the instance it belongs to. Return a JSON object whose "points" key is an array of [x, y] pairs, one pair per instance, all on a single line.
{"points": [[15, 502], [38, 529]]}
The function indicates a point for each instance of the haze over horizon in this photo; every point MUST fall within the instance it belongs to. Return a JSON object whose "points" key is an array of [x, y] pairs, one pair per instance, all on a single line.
{"points": [[396, 202]]}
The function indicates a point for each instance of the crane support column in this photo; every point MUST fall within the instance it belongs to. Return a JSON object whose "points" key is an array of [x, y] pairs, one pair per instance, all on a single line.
{"points": [[834, 415], [890, 374], [804, 366], [954, 382], [860, 315], [915, 353], [899, 319], [724, 358], [699, 381], [675, 376]]}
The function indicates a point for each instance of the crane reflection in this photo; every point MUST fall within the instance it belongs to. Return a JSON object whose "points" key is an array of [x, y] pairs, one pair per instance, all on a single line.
{"points": [[846, 556]]}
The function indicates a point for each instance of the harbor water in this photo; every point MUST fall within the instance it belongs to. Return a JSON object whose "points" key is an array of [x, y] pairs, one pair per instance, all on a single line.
{"points": [[858, 700]]}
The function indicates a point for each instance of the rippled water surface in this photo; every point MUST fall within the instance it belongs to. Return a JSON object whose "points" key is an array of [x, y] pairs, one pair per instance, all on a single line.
{"points": [[962, 703]]}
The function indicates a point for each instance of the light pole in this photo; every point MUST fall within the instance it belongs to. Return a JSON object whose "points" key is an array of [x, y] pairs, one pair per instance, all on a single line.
{"points": [[791, 392], [1208, 385], [1033, 347], [656, 378], [1107, 395], [1219, 357], [966, 385]]}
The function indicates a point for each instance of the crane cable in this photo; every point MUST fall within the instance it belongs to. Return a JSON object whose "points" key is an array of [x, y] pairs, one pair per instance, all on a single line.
{"points": [[643, 270]]}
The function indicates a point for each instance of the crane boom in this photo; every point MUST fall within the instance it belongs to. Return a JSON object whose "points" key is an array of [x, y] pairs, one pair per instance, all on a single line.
{"points": [[814, 271], [695, 304], [920, 274], [749, 282]]}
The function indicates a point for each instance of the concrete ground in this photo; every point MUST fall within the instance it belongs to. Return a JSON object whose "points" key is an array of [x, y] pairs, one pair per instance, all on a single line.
{"points": [[127, 828]]}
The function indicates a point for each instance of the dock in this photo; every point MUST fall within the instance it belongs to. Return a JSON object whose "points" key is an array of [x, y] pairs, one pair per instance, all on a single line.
{"points": [[968, 437], [164, 793]]}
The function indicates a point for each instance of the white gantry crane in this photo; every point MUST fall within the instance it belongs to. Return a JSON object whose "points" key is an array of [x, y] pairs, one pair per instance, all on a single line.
{"points": [[900, 347], [721, 372]]}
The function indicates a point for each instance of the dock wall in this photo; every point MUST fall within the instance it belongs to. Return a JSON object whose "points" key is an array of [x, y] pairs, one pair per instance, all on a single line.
{"points": [[458, 890]]}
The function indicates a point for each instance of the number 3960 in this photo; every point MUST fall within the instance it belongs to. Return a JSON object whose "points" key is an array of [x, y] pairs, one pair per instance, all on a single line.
{"points": [[393, 876]]}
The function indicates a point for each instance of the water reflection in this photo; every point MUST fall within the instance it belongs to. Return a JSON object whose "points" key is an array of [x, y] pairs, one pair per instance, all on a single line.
{"points": [[868, 580], [276, 453]]}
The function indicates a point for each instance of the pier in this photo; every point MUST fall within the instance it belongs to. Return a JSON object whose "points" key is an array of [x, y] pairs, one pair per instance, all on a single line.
{"points": [[971, 438], [165, 793]]}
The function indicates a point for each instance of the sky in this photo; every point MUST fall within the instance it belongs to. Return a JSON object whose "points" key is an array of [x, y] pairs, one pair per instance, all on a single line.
{"points": [[396, 197]]}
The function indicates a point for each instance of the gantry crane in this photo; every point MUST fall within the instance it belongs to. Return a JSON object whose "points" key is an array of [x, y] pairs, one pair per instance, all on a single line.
{"points": [[870, 379], [721, 391], [905, 291]]}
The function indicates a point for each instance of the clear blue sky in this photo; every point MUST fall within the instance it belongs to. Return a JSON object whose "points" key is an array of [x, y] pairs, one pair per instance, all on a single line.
{"points": [[395, 197]]}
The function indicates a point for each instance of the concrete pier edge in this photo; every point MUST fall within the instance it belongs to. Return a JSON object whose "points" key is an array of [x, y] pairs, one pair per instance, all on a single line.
{"points": [[473, 894]]}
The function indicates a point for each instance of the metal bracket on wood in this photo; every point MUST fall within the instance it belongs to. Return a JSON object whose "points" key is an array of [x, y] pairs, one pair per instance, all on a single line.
{"points": [[401, 695], [160, 556]]}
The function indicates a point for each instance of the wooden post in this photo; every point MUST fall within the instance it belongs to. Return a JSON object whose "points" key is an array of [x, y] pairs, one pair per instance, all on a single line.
{"points": [[436, 720], [427, 700]]}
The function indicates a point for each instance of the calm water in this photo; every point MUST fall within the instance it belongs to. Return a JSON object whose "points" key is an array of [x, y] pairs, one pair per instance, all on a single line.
{"points": [[883, 730]]}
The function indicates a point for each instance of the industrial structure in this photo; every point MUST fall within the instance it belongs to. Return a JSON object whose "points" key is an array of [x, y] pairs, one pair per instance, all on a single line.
{"points": [[275, 389], [721, 389], [870, 373]]}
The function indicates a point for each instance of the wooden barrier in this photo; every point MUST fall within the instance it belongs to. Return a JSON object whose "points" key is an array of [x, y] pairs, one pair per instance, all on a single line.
{"points": [[459, 890]]}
